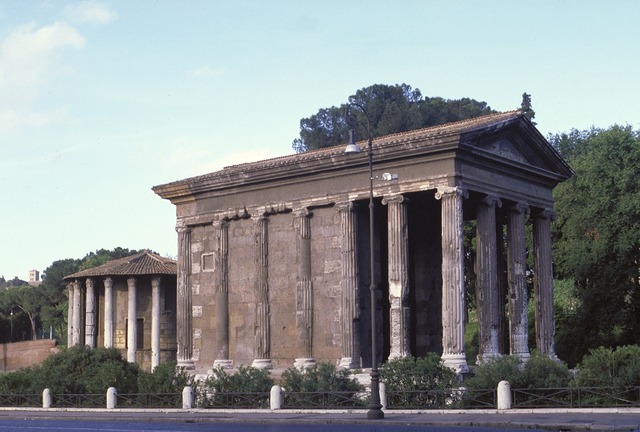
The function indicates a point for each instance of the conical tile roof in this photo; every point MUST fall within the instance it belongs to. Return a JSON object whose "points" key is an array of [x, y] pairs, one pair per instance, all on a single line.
{"points": [[144, 263]]}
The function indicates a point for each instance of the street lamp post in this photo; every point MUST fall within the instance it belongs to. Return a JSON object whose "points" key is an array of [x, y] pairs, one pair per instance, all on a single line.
{"points": [[375, 407]]}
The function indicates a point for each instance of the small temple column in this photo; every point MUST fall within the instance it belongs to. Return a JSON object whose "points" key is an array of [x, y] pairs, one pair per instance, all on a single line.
{"points": [[304, 290], [453, 302], [77, 312], [184, 324], [350, 307], [221, 228], [262, 347], [108, 312], [398, 276], [90, 314], [517, 274], [156, 291], [132, 318], [487, 288], [543, 282], [70, 314]]}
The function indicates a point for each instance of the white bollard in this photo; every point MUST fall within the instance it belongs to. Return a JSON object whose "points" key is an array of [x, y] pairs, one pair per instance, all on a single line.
{"points": [[46, 398], [504, 395], [275, 399], [112, 398], [187, 397], [383, 395]]}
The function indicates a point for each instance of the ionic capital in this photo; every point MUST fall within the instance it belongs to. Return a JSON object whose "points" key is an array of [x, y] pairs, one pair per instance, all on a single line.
{"points": [[447, 191]]}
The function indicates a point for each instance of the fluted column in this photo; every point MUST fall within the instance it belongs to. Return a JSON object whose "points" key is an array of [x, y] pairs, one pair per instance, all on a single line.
{"points": [[304, 290], [90, 314], [543, 282], [350, 307], [70, 314], [156, 292], [453, 302], [108, 312], [184, 313], [77, 312], [487, 288], [262, 347], [398, 276], [221, 229], [132, 318], [517, 273]]}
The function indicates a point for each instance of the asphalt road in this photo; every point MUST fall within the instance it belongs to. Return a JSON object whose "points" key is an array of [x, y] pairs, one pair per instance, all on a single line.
{"points": [[118, 426]]}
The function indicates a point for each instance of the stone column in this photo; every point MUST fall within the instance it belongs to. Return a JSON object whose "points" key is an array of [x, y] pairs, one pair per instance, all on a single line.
{"points": [[503, 286], [132, 317], [262, 347], [184, 332], [156, 292], [70, 314], [350, 307], [453, 302], [398, 276], [487, 288], [222, 295], [517, 273], [543, 282], [90, 315], [77, 312], [304, 291], [108, 312]]}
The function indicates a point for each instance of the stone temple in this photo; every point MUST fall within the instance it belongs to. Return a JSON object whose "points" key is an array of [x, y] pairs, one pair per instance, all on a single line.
{"points": [[273, 262]]}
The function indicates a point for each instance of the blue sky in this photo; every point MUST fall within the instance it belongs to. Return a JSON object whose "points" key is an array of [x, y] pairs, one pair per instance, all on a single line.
{"points": [[101, 100]]}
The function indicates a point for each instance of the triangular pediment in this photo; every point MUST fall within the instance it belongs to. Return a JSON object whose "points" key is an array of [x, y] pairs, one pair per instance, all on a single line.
{"points": [[504, 148]]}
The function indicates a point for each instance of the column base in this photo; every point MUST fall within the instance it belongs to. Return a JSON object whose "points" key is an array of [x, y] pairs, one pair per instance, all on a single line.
{"points": [[223, 363], [457, 362], [348, 363], [304, 362], [186, 364], [262, 364]]}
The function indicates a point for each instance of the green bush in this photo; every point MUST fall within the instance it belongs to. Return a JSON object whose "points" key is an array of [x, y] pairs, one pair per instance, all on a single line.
{"points": [[605, 367], [323, 377], [165, 378], [422, 373], [539, 371], [241, 388], [320, 385], [83, 370]]}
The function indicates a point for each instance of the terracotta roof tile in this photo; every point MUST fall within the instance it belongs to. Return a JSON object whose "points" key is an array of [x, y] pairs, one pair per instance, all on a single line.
{"points": [[144, 263]]}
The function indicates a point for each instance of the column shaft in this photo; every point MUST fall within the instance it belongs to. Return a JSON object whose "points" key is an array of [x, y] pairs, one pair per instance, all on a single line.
{"points": [[517, 273], [70, 314], [262, 347], [77, 312], [487, 288], [90, 315], [398, 243], [543, 282], [156, 291], [222, 295], [453, 302], [184, 325], [304, 291], [132, 317], [108, 313], [350, 307]]}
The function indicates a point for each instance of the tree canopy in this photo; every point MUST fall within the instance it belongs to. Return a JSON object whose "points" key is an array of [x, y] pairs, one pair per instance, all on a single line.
{"points": [[597, 233], [391, 109]]}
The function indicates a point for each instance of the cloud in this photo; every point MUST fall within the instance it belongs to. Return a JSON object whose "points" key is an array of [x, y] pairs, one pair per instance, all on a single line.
{"points": [[206, 72], [28, 58], [90, 12]]}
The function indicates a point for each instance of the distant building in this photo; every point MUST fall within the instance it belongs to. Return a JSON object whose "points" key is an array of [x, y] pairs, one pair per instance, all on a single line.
{"points": [[129, 304], [34, 278], [273, 256]]}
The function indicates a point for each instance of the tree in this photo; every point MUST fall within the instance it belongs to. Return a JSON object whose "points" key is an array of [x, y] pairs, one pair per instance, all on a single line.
{"points": [[525, 106], [597, 234], [392, 109]]}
